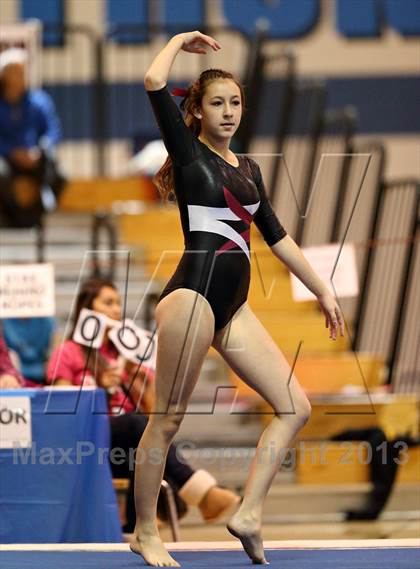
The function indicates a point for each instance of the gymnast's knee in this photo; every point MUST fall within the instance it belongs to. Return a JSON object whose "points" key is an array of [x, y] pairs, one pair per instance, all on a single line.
{"points": [[301, 412]]}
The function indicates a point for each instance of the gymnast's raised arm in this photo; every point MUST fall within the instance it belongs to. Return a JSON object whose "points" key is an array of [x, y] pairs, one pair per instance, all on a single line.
{"points": [[195, 42], [178, 138]]}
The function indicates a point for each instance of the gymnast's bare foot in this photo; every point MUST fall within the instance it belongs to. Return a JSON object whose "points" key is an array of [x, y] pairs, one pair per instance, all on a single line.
{"points": [[151, 548], [248, 531]]}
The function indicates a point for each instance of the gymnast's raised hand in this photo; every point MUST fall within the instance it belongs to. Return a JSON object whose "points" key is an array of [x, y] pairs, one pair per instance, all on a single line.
{"points": [[196, 42]]}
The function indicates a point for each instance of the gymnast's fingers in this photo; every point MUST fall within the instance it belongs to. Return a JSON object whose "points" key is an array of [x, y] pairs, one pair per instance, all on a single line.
{"points": [[340, 320]]}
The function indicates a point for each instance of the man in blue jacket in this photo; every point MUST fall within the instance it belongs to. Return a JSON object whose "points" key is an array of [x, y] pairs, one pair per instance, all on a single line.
{"points": [[29, 130]]}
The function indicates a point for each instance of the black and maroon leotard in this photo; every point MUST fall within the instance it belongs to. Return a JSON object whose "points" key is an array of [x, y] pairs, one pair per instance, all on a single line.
{"points": [[217, 203]]}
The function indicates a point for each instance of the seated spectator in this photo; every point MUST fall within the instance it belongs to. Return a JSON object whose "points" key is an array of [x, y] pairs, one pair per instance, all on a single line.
{"points": [[10, 378], [74, 364], [30, 182], [30, 339]]}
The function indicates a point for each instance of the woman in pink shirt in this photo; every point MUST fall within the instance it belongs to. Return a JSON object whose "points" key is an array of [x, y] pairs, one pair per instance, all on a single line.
{"points": [[73, 364], [10, 378]]}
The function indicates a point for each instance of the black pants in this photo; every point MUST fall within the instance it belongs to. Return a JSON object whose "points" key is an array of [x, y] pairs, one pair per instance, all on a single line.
{"points": [[383, 470], [126, 431], [47, 173]]}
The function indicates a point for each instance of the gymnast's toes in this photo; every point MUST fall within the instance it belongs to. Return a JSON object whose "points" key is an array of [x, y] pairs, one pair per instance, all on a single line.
{"points": [[153, 552], [248, 531]]}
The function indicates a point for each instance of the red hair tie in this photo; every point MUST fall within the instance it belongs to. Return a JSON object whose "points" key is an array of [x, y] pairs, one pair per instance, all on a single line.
{"points": [[179, 92]]}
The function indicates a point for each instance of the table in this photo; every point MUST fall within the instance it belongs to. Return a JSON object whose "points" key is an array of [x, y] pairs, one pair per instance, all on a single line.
{"points": [[52, 492]]}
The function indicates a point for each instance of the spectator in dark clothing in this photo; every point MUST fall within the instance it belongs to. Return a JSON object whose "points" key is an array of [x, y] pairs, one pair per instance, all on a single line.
{"points": [[29, 130]]}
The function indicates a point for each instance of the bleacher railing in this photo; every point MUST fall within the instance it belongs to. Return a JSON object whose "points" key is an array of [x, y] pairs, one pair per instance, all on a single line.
{"points": [[389, 293], [78, 62], [102, 222]]}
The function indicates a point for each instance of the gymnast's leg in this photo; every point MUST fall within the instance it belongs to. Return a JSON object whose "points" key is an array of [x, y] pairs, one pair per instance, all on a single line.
{"points": [[251, 352], [185, 325]]}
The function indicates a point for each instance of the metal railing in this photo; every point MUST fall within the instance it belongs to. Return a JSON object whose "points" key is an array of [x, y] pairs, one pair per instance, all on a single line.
{"points": [[284, 117], [327, 184], [103, 222], [389, 276], [82, 46], [403, 361], [292, 168], [253, 80]]}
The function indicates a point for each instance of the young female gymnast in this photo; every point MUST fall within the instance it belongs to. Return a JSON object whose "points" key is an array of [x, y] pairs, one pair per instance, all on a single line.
{"points": [[204, 304], [73, 364]]}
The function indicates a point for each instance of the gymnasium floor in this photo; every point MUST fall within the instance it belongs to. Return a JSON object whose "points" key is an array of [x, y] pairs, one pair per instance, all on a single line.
{"points": [[382, 544], [315, 554]]}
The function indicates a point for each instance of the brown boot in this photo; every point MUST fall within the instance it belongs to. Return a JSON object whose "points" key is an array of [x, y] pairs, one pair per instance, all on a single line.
{"points": [[217, 504]]}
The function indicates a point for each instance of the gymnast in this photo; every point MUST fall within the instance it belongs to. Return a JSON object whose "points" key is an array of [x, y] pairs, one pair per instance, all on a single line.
{"points": [[219, 194]]}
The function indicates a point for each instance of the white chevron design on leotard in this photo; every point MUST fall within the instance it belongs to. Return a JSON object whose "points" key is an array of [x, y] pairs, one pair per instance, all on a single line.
{"points": [[203, 218]]}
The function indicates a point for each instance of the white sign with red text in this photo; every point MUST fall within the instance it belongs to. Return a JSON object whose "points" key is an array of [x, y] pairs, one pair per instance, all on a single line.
{"points": [[27, 290]]}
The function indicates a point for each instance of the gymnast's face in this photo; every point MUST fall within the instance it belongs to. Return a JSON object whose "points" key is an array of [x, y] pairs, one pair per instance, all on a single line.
{"points": [[108, 302], [221, 109]]}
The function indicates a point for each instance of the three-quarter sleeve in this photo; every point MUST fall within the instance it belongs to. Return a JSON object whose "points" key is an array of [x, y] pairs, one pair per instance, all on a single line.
{"points": [[266, 219], [177, 137]]}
